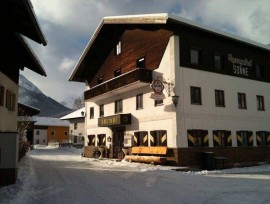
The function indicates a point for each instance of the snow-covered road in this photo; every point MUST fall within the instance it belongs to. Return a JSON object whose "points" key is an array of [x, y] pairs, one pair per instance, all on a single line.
{"points": [[52, 175]]}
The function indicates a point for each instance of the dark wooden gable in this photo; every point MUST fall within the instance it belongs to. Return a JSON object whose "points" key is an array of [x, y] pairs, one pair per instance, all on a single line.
{"points": [[137, 42]]}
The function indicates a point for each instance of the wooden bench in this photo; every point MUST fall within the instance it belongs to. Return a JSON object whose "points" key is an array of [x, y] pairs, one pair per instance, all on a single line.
{"points": [[155, 155]]}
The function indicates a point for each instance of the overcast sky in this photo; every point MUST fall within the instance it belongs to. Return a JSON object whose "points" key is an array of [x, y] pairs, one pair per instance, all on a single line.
{"points": [[69, 24]]}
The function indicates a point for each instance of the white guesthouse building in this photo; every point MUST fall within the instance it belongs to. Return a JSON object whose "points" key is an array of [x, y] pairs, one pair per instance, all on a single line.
{"points": [[222, 82]]}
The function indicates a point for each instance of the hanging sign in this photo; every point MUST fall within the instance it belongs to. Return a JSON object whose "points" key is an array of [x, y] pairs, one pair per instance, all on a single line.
{"points": [[158, 87]]}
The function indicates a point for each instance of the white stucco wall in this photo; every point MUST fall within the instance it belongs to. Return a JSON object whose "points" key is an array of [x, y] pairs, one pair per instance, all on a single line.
{"points": [[42, 136], [8, 119]]}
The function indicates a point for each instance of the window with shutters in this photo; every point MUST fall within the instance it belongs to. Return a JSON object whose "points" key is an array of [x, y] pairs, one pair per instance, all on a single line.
{"points": [[158, 138], [197, 138], [141, 138], [222, 138], [263, 138], [244, 138], [2, 95]]}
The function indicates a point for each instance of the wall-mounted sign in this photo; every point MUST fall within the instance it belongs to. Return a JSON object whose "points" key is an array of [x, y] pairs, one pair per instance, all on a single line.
{"points": [[240, 66], [121, 119], [158, 87]]}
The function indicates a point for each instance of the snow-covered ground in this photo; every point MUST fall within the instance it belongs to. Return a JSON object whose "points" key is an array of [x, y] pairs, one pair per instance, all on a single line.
{"points": [[111, 181]]}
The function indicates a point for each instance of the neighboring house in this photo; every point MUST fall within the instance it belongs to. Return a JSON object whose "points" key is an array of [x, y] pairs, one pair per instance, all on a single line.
{"points": [[50, 130], [25, 120], [17, 19], [76, 126], [216, 96]]}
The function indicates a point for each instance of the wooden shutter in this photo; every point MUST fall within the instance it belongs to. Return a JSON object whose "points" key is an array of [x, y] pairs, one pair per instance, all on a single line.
{"points": [[136, 139], [191, 138], [258, 138], [228, 138], [205, 138], [144, 136], [216, 139], [250, 138], [163, 138], [152, 138], [239, 139]]}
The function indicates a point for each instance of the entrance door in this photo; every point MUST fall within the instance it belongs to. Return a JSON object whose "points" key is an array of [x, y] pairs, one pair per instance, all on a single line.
{"points": [[118, 142]]}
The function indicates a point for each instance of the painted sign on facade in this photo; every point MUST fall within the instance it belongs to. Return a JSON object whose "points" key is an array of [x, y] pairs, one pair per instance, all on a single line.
{"points": [[240, 66], [158, 87]]}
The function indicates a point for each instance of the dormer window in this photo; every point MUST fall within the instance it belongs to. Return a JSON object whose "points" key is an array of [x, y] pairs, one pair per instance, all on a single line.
{"points": [[141, 63], [118, 48], [117, 72]]}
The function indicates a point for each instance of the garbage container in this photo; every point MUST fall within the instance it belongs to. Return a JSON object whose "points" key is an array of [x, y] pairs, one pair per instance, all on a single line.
{"points": [[208, 160]]}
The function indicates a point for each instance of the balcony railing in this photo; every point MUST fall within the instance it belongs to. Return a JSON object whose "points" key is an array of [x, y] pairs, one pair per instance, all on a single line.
{"points": [[137, 75]]}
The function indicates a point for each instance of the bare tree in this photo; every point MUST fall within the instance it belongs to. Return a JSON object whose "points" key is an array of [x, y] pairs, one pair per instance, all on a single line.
{"points": [[78, 103]]}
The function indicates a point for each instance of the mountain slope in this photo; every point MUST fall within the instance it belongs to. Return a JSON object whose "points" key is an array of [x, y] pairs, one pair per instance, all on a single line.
{"points": [[30, 95]]}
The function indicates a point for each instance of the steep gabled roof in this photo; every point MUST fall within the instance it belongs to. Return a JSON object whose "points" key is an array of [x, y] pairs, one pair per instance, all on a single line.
{"points": [[114, 23], [75, 114], [19, 16]]}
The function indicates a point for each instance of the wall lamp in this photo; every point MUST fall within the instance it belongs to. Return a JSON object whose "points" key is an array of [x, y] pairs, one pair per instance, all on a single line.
{"points": [[175, 100]]}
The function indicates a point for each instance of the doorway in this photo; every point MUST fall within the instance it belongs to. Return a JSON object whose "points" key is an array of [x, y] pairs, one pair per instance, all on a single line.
{"points": [[118, 142]]}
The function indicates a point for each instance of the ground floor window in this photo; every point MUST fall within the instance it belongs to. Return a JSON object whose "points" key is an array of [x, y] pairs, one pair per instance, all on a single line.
{"points": [[198, 138], [158, 138], [244, 138], [140, 138], [101, 140], [91, 140], [222, 138], [263, 138]]}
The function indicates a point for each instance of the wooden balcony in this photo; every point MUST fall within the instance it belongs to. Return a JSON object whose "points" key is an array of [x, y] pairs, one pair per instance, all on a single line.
{"points": [[136, 76]]}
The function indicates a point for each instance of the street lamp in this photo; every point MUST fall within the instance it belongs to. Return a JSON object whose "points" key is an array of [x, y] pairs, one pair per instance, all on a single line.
{"points": [[175, 100]]}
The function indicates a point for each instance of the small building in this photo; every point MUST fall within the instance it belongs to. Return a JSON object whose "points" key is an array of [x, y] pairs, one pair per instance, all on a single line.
{"points": [[161, 80], [17, 19], [50, 131], [76, 126]]}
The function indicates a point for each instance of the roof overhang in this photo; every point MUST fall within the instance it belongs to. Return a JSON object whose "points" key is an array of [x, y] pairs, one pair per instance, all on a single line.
{"points": [[19, 16]]}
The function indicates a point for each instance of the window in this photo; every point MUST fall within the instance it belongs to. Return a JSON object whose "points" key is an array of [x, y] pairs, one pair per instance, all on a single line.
{"points": [[91, 112], [141, 138], [101, 110], [141, 63], [222, 138], [118, 48], [139, 101], [259, 71], [197, 138], [65, 133], [195, 56], [260, 103], [118, 106], [117, 72], [262, 138], [219, 97], [101, 139], [219, 61], [10, 100], [2, 95], [158, 138], [195, 95], [100, 80], [52, 133], [37, 132], [75, 126], [158, 102], [242, 104], [244, 138]]}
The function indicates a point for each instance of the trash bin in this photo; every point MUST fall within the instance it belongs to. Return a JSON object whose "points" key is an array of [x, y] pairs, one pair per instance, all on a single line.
{"points": [[208, 160]]}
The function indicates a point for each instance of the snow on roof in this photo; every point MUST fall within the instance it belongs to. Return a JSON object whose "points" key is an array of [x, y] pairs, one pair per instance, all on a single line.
{"points": [[47, 121], [75, 114]]}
